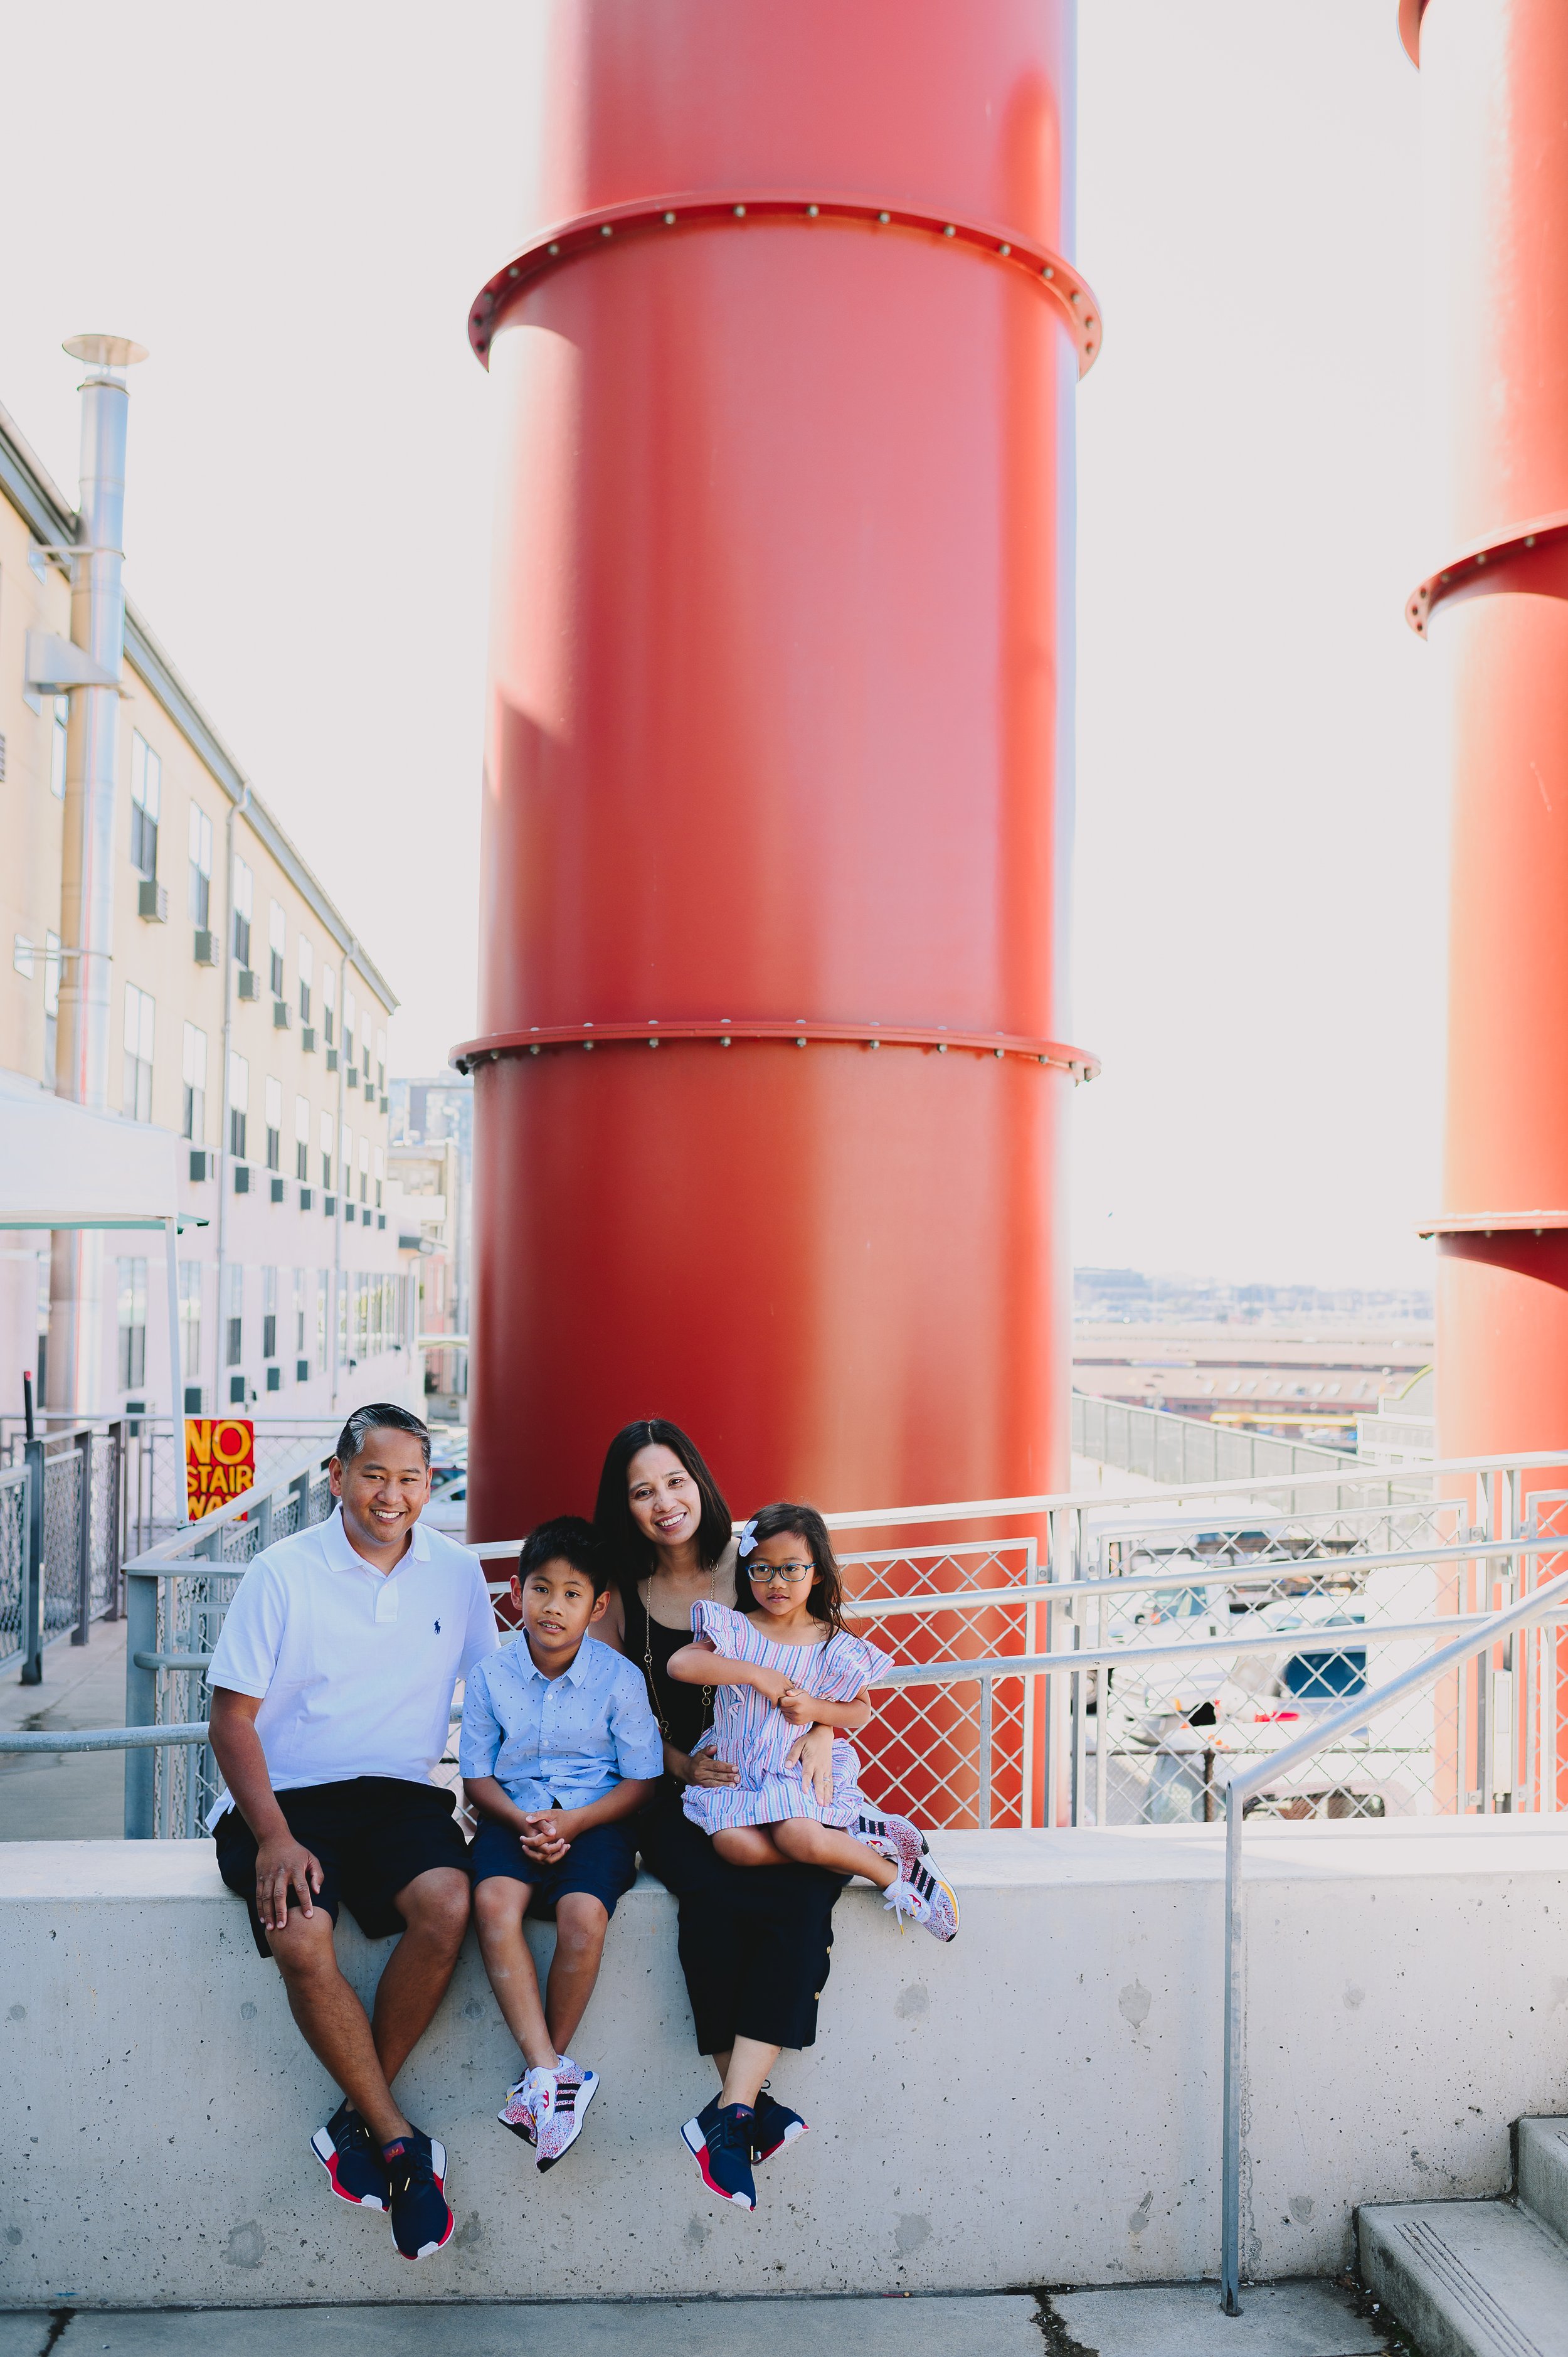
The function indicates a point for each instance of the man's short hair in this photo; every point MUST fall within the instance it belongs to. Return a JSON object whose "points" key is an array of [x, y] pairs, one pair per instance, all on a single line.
{"points": [[380, 1417], [567, 1539]]}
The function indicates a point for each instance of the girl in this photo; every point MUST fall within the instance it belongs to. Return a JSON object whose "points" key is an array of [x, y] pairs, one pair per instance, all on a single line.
{"points": [[786, 1662]]}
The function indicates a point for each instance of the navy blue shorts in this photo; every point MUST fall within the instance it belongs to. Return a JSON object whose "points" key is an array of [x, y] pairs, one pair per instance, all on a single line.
{"points": [[603, 1862]]}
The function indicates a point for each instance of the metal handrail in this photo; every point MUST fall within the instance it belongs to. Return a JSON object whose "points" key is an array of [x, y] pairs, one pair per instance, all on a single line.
{"points": [[1540, 1603]]}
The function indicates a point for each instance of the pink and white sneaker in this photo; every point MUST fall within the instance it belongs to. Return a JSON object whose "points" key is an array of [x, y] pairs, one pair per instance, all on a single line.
{"points": [[573, 2090], [924, 1898], [902, 1844], [518, 2111]]}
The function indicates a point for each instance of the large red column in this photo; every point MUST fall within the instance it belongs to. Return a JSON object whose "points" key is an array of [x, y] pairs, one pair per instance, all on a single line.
{"points": [[771, 1082], [1495, 103]]}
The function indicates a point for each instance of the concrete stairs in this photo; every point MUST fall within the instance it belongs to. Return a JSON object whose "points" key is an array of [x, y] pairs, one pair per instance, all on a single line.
{"points": [[1481, 2278]]}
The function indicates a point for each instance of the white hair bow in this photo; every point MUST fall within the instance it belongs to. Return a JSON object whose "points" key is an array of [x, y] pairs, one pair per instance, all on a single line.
{"points": [[746, 1542]]}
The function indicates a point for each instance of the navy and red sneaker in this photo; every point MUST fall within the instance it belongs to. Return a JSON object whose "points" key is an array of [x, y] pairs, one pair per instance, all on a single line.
{"points": [[421, 2221], [695, 2132], [725, 2155], [352, 2159], [775, 2125]]}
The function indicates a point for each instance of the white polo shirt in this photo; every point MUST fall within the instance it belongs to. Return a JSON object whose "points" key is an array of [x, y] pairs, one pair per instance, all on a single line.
{"points": [[356, 1668]]}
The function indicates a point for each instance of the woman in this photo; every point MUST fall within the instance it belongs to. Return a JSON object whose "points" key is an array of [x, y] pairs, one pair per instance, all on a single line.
{"points": [[754, 1945]]}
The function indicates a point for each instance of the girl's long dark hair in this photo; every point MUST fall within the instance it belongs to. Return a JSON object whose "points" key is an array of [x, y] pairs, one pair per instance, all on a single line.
{"points": [[633, 1554], [783, 1521]]}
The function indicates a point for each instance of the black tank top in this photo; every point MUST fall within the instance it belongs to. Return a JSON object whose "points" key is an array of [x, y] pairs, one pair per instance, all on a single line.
{"points": [[682, 1711]]}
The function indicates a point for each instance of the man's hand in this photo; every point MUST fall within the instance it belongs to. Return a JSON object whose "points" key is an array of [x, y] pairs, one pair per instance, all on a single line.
{"points": [[283, 1864], [542, 1838], [701, 1768]]}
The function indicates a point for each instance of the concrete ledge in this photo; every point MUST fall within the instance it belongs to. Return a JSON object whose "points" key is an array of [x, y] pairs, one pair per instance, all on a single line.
{"points": [[1038, 2103]]}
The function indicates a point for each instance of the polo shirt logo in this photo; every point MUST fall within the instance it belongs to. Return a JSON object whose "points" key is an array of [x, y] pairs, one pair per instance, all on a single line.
{"points": [[438, 1628]]}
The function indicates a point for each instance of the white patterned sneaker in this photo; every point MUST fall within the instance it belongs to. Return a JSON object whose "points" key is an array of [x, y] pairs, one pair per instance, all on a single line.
{"points": [[531, 2097], [893, 1838], [574, 2090], [924, 1898]]}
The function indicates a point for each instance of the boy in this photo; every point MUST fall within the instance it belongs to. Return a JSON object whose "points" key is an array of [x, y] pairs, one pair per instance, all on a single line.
{"points": [[559, 1749]]}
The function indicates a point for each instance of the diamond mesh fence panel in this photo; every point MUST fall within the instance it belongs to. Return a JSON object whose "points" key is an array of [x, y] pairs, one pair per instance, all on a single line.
{"points": [[928, 1751], [1262, 1605], [192, 1601], [13, 1561], [62, 1509]]}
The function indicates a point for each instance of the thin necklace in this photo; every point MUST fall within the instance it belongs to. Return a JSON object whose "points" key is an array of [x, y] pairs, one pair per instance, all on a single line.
{"points": [[659, 1719]]}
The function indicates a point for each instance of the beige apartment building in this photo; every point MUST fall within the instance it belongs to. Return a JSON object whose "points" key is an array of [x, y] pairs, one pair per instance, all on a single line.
{"points": [[246, 1020]]}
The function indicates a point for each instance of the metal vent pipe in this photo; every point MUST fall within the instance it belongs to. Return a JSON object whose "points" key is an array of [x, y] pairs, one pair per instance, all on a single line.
{"points": [[778, 758], [85, 1039]]}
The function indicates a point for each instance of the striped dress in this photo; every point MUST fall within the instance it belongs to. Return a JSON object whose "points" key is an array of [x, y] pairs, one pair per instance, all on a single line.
{"points": [[756, 1736]]}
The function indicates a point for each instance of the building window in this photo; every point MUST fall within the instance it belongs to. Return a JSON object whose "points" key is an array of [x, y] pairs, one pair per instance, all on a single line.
{"points": [[146, 797], [277, 941], [201, 902], [381, 1062], [269, 1313], [194, 1084], [380, 1175], [190, 1319], [239, 1103], [244, 903], [320, 1283], [51, 1005], [348, 1023], [346, 1164], [299, 1344], [327, 1152], [364, 1169], [137, 1102], [58, 736], [274, 1133], [329, 1002], [306, 976], [133, 1323], [234, 1314], [301, 1144]]}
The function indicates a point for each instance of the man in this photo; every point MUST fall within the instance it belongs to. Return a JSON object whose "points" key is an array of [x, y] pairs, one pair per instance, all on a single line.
{"points": [[332, 1687]]}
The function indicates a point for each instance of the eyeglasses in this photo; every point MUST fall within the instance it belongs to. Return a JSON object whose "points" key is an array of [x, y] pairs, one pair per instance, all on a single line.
{"points": [[792, 1573]]}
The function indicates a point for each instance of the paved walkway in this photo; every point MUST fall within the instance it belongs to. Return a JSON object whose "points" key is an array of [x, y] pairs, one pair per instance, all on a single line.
{"points": [[80, 1796], [1303, 2319]]}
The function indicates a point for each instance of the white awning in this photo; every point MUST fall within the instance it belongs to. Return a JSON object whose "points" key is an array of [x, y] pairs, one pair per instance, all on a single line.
{"points": [[62, 1167]]}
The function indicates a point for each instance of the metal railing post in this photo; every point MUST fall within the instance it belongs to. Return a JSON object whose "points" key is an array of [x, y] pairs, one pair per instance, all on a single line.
{"points": [[83, 1536], [140, 1702], [1235, 2063], [985, 1752], [114, 1520], [33, 1576]]}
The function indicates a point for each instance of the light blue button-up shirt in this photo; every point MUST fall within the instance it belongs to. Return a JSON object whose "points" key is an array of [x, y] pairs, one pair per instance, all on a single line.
{"points": [[558, 1742]]}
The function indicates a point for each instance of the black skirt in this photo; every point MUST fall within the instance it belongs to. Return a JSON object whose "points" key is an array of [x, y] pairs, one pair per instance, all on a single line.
{"points": [[756, 1941]]}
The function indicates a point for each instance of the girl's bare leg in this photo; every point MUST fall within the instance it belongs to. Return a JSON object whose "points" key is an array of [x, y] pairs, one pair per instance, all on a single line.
{"points": [[748, 1846], [809, 1843]]}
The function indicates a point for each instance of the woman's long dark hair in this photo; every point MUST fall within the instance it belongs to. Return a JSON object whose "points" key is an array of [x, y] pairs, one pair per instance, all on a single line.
{"points": [[804, 1523], [634, 1555]]}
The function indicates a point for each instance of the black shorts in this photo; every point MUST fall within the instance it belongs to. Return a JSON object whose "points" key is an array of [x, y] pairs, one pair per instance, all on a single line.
{"points": [[372, 1836], [602, 1862]]}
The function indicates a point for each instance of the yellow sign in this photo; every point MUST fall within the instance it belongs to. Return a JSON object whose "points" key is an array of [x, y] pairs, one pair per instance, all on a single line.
{"points": [[219, 1461]]}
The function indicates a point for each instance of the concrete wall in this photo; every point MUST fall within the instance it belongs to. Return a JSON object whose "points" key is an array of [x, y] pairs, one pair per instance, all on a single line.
{"points": [[1038, 2103]]}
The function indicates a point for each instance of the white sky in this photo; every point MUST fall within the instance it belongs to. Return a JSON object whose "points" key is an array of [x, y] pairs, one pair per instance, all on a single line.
{"points": [[295, 223]]}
